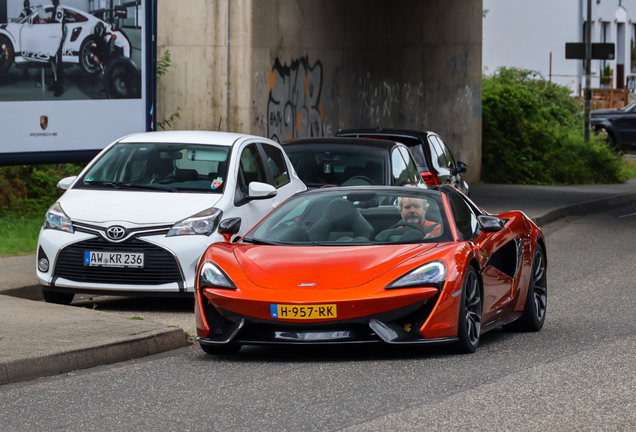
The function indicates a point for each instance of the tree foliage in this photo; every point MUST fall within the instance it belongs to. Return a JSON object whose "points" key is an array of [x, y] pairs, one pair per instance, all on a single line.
{"points": [[533, 134], [163, 64], [30, 190]]}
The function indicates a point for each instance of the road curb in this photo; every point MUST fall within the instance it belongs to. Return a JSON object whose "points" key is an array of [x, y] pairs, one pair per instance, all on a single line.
{"points": [[584, 207], [63, 362]]}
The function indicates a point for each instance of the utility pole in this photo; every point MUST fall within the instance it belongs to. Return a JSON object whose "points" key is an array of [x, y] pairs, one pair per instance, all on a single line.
{"points": [[588, 70]]}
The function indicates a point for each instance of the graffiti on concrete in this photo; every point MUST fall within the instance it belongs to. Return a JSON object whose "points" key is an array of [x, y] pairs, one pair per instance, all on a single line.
{"points": [[334, 99], [261, 79], [464, 99], [381, 101], [460, 65], [468, 101], [259, 121], [294, 109]]}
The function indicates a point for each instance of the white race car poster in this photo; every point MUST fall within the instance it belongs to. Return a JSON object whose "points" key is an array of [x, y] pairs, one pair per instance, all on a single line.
{"points": [[75, 85]]}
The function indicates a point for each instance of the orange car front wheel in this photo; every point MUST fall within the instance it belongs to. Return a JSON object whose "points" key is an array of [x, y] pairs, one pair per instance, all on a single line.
{"points": [[470, 308]]}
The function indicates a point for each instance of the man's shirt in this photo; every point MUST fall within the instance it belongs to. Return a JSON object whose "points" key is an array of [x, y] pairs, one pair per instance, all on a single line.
{"points": [[436, 231]]}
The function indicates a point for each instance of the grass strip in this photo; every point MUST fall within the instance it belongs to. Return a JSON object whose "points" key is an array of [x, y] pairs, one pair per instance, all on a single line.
{"points": [[19, 235]]}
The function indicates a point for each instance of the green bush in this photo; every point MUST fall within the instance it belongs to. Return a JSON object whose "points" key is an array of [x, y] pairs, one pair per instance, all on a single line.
{"points": [[606, 74], [29, 190], [533, 134]]}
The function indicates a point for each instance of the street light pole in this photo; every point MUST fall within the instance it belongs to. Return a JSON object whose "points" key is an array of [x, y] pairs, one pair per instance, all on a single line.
{"points": [[588, 70]]}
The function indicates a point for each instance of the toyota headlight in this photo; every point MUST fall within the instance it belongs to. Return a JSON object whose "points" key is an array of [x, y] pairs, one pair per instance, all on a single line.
{"points": [[210, 275], [432, 273], [203, 223], [56, 219]]}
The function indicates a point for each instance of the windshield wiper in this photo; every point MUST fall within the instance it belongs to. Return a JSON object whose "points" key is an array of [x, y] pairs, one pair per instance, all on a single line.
{"points": [[118, 185], [258, 242]]}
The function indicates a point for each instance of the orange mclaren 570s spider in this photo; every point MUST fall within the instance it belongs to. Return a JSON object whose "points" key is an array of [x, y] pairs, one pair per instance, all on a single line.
{"points": [[392, 265]]}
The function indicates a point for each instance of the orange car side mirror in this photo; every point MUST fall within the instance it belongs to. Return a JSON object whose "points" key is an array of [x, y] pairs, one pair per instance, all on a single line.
{"points": [[229, 227]]}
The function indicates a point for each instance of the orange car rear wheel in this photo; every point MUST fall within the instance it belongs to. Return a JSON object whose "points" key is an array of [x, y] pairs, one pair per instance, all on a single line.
{"points": [[537, 298]]}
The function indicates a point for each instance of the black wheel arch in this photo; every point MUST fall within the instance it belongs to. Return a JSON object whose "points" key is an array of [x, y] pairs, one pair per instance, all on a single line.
{"points": [[9, 37], [541, 243], [475, 264]]}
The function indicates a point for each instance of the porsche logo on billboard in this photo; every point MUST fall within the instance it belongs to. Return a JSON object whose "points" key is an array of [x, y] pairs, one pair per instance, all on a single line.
{"points": [[44, 122]]}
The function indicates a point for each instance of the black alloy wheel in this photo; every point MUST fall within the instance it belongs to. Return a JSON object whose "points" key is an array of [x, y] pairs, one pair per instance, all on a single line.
{"points": [[122, 79], [534, 310], [88, 59], [470, 309], [609, 139]]}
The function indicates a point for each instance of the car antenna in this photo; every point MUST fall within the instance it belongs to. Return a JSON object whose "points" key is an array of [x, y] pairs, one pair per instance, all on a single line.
{"points": [[220, 123]]}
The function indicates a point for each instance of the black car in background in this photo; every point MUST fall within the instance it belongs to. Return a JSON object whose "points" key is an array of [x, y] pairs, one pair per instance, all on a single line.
{"points": [[620, 125], [352, 162], [435, 162]]}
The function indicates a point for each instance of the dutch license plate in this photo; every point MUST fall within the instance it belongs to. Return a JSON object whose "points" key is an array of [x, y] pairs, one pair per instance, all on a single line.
{"points": [[114, 259], [323, 311]]}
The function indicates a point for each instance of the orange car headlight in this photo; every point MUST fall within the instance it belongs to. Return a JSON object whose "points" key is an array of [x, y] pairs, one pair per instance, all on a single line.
{"points": [[432, 273], [210, 275]]}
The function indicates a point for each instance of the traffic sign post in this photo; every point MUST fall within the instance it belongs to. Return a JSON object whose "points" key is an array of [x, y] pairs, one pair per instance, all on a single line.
{"points": [[589, 51], [600, 51]]}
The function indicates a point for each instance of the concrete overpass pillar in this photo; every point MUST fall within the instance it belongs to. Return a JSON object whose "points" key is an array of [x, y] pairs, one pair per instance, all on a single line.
{"points": [[295, 68]]}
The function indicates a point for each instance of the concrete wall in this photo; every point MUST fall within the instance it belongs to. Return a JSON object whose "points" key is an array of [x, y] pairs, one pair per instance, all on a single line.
{"points": [[309, 67], [196, 34]]}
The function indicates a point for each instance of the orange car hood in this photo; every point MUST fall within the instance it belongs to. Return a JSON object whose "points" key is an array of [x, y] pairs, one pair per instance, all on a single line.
{"points": [[337, 267]]}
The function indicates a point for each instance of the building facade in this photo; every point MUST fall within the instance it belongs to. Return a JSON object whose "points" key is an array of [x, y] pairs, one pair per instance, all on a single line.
{"points": [[532, 35]]}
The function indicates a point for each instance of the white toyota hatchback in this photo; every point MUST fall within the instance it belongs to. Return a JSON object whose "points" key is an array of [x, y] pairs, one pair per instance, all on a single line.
{"points": [[141, 214]]}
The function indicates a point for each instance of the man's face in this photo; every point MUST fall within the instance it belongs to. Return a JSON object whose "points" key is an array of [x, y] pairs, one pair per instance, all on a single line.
{"points": [[413, 210]]}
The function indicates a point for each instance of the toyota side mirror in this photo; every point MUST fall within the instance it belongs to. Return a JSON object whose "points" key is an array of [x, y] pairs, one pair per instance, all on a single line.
{"points": [[66, 182], [258, 190], [490, 223]]}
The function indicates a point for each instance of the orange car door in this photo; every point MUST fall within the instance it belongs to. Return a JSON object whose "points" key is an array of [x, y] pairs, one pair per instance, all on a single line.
{"points": [[493, 253]]}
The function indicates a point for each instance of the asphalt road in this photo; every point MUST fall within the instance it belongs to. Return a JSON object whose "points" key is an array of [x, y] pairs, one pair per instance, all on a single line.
{"points": [[578, 373]]}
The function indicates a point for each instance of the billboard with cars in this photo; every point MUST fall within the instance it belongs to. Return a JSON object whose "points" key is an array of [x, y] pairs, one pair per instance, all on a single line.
{"points": [[74, 76]]}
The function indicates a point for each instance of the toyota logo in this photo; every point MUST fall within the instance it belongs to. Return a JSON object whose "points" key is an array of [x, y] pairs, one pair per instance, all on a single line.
{"points": [[116, 233]]}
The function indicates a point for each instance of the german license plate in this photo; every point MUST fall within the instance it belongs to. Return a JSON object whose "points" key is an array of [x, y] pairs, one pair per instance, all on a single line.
{"points": [[323, 311], [114, 259]]}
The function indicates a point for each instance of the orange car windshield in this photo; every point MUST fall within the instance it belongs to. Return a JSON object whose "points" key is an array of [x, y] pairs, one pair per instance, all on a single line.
{"points": [[363, 217]]}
